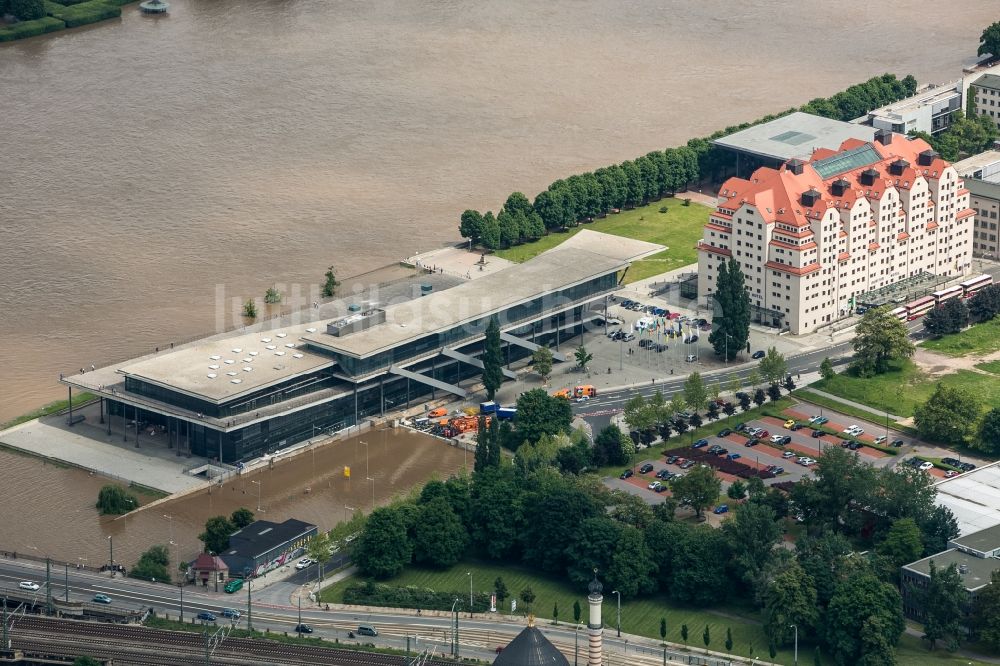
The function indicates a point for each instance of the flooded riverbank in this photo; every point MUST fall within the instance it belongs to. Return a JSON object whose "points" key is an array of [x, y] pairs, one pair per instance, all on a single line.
{"points": [[49, 510]]}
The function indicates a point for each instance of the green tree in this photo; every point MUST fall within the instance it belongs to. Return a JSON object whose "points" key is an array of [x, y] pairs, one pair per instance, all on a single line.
{"points": [[631, 569], [510, 229], [684, 634], [610, 446], [114, 500], [152, 565], [826, 370], [539, 413], [737, 490], [489, 234], [988, 437], [989, 41], [384, 547], [663, 629], [759, 397], [901, 545], [216, 534], [241, 517], [986, 612], [495, 512], [250, 309], [789, 598], [706, 637], [864, 619], [492, 359], [500, 590], [880, 338], [558, 506], [541, 360], [731, 312], [577, 612], [471, 225], [951, 317], [985, 303], [729, 639], [528, 597], [699, 488], [555, 613], [753, 379], [272, 295], [753, 533], [695, 394], [331, 283], [822, 556], [949, 415], [942, 602], [86, 661], [773, 366], [583, 357]]}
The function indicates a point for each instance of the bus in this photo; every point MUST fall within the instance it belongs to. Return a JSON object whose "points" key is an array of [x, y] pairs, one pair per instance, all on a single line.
{"points": [[899, 313], [972, 285], [920, 307], [947, 294]]}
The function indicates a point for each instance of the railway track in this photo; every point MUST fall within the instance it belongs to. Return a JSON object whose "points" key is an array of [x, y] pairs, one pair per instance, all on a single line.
{"points": [[143, 646]]}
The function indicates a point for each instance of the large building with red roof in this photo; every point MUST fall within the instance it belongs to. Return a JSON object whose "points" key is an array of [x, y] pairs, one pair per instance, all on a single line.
{"points": [[814, 234]]}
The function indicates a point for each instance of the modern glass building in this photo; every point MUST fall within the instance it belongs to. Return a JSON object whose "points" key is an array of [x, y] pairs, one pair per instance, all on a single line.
{"points": [[237, 397]]}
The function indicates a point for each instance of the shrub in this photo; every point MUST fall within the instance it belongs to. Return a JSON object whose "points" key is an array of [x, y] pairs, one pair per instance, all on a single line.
{"points": [[376, 594], [86, 12], [30, 28], [115, 500]]}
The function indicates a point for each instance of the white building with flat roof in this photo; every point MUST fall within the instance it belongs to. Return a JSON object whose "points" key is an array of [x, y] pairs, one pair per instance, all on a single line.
{"points": [[928, 111], [812, 235]]}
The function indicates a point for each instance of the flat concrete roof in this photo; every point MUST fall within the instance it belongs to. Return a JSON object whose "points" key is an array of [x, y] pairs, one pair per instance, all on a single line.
{"points": [[991, 81], [468, 302], [974, 498], [982, 541], [978, 570], [930, 95], [983, 188], [257, 360], [609, 245], [795, 135]]}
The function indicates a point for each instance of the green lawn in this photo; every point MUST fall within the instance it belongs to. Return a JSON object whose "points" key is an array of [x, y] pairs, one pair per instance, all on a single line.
{"points": [[913, 652], [979, 339], [990, 366], [638, 616], [905, 386], [678, 229], [836, 405], [51, 408]]}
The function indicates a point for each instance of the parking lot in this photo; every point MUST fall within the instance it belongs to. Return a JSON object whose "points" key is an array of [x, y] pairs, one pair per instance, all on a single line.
{"points": [[762, 457]]}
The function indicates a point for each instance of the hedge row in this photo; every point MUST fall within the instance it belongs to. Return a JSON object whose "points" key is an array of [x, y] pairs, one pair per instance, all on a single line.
{"points": [[30, 28], [376, 594], [91, 11]]}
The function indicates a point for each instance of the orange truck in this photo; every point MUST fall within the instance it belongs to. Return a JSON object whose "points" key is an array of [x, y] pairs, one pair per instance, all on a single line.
{"points": [[440, 411], [584, 390], [563, 393]]}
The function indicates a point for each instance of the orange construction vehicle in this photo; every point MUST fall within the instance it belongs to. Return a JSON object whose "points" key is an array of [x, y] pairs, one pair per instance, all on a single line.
{"points": [[584, 390], [462, 424], [563, 393], [440, 411]]}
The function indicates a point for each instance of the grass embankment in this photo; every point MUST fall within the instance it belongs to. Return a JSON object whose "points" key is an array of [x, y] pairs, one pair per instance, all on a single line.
{"points": [[977, 340], [65, 14], [51, 408], [868, 415], [640, 616], [905, 386], [678, 229]]}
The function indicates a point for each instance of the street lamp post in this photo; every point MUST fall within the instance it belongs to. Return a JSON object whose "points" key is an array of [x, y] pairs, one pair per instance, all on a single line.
{"points": [[796, 657], [367, 471], [258, 493], [469, 574], [373, 491], [111, 553], [246, 579], [619, 595]]}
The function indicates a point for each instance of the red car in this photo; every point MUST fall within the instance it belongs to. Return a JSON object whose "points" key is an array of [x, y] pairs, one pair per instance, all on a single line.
{"points": [[763, 435]]}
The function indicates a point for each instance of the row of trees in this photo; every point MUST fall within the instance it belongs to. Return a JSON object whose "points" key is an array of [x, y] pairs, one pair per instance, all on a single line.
{"points": [[954, 315], [567, 202]]}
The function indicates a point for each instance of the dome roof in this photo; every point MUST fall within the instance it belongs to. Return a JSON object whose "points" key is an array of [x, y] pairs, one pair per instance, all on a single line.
{"points": [[530, 648]]}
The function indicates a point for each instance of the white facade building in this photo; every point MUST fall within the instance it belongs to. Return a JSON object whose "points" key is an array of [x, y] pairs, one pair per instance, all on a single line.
{"points": [[813, 235]]}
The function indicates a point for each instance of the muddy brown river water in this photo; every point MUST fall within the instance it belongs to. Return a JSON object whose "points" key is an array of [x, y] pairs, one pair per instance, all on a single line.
{"points": [[49, 510]]}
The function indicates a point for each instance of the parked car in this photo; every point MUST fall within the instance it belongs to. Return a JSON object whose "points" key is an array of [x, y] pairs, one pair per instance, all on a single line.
{"points": [[626, 474], [28, 585], [753, 441], [785, 440], [763, 434], [660, 488], [854, 445], [230, 613], [776, 439], [734, 456], [690, 358], [725, 432], [303, 563], [722, 508], [654, 485], [699, 444], [646, 468], [206, 616], [818, 433], [881, 439], [898, 443], [789, 423], [102, 598], [925, 466], [778, 470], [663, 474], [722, 451], [688, 464], [715, 448], [788, 454], [797, 426], [671, 460], [951, 473], [853, 430], [758, 354], [740, 427]]}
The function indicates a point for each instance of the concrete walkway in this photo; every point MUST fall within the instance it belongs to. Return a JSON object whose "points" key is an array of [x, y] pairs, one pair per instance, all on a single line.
{"points": [[856, 405], [90, 448]]}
